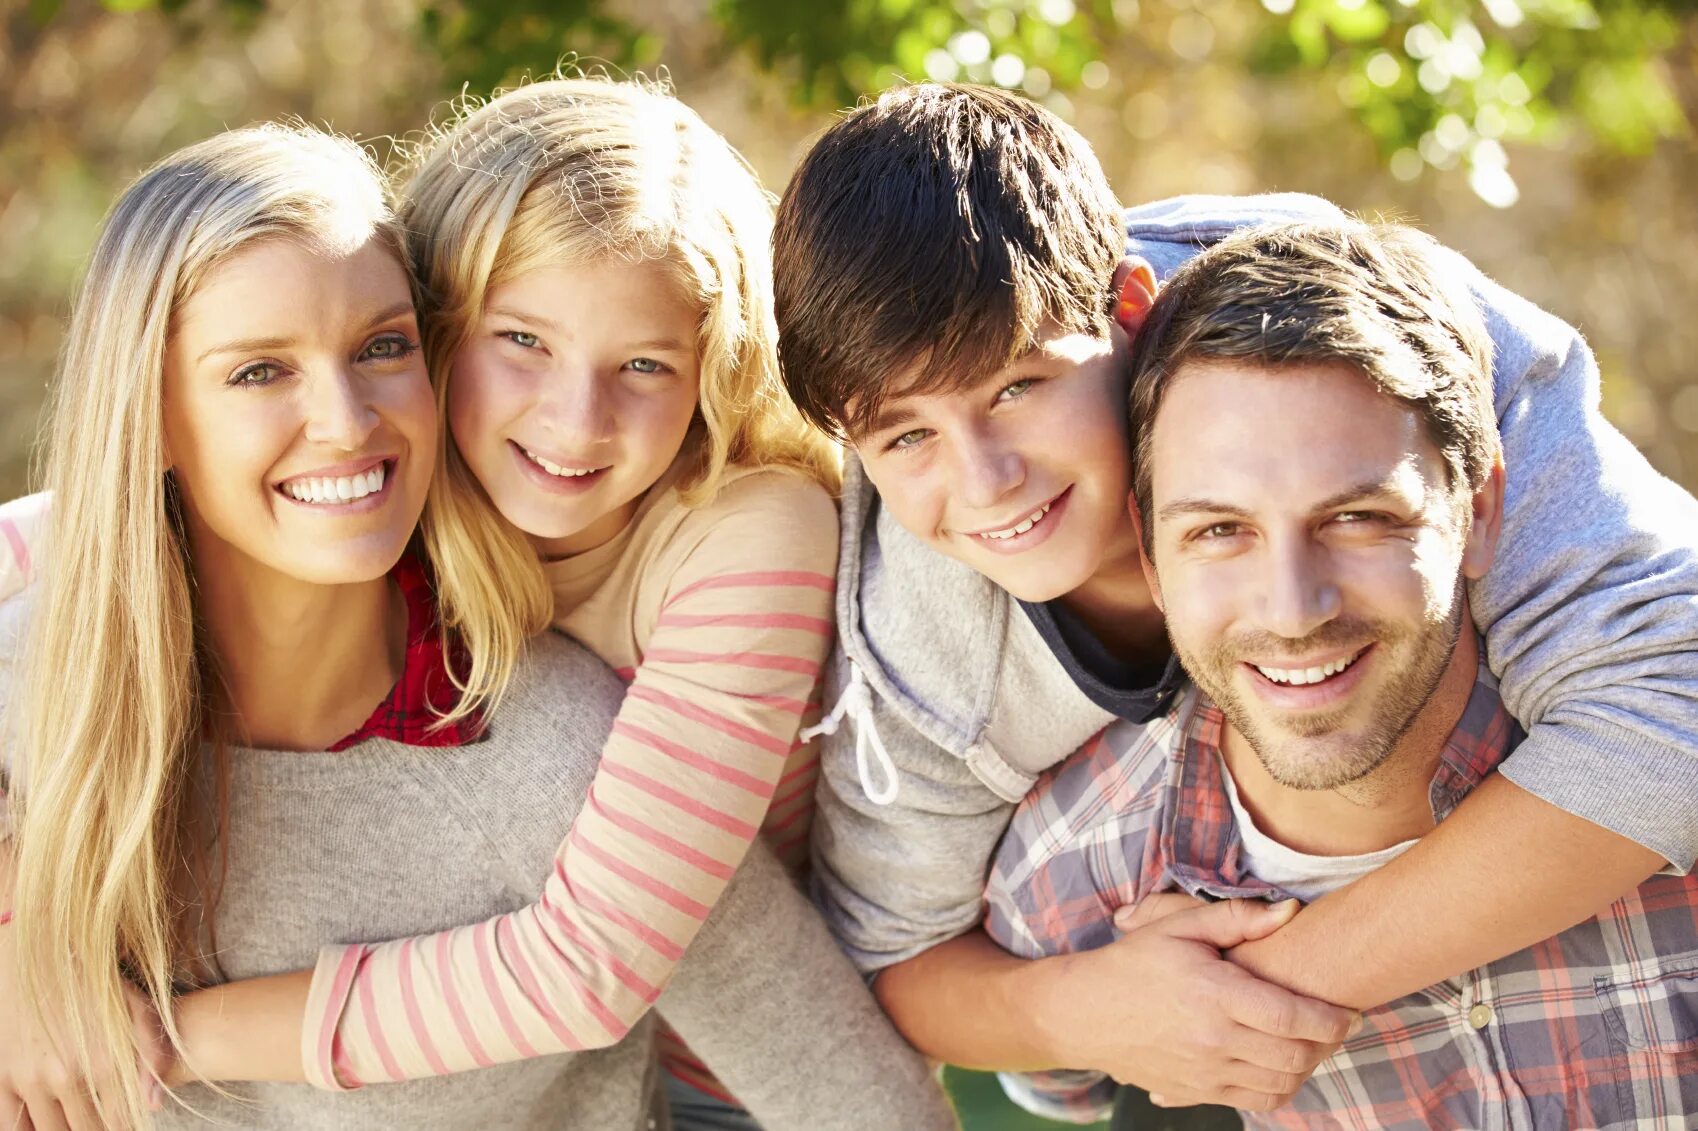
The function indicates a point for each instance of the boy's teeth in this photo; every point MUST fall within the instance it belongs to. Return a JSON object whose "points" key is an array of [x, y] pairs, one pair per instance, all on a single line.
{"points": [[1030, 521], [555, 469], [1299, 677], [344, 490]]}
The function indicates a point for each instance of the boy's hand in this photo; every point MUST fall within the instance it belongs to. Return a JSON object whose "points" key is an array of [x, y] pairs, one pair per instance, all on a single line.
{"points": [[1192, 1027]]}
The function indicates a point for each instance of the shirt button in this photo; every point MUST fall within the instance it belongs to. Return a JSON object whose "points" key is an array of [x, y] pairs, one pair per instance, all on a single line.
{"points": [[1480, 1016]]}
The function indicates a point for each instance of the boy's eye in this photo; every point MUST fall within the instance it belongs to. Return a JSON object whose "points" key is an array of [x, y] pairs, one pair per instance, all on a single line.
{"points": [[907, 439], [521, 338], [258, 373], [1017, 389], [646, 365], [1219, 530], [389, 347]]}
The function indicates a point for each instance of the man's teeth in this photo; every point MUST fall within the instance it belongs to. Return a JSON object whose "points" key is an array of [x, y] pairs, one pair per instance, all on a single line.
{"points": [[344, 490], [1030, 521], [555, 469], [1300, 676]]}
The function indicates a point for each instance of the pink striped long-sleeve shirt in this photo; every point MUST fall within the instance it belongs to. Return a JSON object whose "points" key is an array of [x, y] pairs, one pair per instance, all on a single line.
{"points": [[719, 618]]}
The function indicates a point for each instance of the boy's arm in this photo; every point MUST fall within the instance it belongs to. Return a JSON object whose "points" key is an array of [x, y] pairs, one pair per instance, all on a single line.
{"points": [[1591, 619]]}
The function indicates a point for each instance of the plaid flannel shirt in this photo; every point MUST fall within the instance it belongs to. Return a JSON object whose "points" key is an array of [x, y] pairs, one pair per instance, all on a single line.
{"points": [[1596, 1027], [424, 692]]}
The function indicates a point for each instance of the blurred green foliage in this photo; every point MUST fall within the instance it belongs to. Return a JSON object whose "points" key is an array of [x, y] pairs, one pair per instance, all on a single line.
{"points": [[1439, 84]]}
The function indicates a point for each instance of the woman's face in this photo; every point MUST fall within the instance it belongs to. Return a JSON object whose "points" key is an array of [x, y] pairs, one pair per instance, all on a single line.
{"points": [[300, 425], [573, 395]]}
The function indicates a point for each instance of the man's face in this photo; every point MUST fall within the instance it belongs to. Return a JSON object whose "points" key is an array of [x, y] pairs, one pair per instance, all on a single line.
{"points": [[1309, 555], [1023, 476]]}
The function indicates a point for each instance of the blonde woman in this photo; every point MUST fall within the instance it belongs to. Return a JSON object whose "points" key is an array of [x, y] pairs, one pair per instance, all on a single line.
{"points": [[231, 712]]}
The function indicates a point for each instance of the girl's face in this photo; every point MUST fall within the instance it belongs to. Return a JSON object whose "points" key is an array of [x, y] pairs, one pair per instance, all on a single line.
{"points": [[299, 422], [573, 395]]}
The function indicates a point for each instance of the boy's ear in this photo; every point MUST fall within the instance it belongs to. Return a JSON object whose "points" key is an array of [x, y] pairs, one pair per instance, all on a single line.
{"points": [[1134, 289]]}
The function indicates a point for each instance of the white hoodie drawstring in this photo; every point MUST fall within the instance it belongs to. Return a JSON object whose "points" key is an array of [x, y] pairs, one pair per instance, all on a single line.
{"points": [[856, 703]]}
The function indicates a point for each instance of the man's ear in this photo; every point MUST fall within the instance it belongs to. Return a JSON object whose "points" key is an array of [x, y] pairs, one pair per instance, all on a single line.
{"points": [[1134, 290], [1486, 514], [1149, 567]]}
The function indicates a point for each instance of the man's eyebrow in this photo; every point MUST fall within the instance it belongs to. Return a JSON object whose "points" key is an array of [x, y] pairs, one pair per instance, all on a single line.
{"points": [[1181, 507], [1367, 488]]}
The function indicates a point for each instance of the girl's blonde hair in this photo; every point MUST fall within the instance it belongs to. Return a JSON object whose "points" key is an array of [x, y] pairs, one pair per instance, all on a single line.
{"points": [[574, 170], [113, 679]]}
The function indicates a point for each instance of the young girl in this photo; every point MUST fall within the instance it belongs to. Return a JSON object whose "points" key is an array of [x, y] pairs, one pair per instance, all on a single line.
{"points": [[224, 557]]}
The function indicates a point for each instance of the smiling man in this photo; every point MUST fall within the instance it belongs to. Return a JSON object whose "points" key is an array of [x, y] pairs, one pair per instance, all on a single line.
{"points": [[1317, 476]]}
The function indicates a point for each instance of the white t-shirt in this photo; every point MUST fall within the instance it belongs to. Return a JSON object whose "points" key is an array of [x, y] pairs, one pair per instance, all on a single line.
{"points": [[1304, 876]]}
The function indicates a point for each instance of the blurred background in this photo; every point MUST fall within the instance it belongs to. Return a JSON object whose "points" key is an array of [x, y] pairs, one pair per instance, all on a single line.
{"points": [[1551, 140]]}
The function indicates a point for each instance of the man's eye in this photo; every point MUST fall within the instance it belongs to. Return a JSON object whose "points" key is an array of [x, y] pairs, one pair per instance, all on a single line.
{"points": [[1357, 518], [520, 338], [259, 373], [908, 439]]}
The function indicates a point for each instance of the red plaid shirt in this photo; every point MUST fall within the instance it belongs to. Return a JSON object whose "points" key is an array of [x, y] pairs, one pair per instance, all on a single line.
{"points": [[1595, 1028], [425, 690]]}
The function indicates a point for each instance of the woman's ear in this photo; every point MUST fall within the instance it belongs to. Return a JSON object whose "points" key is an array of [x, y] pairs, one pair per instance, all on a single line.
{"points": [[1134, 289]]}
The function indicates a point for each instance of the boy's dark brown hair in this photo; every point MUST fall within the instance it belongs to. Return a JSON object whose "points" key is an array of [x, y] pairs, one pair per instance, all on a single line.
{"points": [[926, 241], [1379, 298]]}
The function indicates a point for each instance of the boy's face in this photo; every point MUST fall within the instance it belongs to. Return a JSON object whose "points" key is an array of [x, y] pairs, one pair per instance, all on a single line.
{"points": [[1023, 476]]}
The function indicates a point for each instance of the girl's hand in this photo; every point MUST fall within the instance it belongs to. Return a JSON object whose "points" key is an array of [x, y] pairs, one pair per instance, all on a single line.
{"points": [[42, 1085]]}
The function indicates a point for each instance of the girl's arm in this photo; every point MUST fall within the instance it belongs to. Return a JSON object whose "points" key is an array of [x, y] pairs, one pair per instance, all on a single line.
{"points": [[703, 751]]}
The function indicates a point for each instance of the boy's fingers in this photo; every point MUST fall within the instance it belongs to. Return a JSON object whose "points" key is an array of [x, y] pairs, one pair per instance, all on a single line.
{"points": [[1226, 924], [1152, 908], [1267, 1008]]}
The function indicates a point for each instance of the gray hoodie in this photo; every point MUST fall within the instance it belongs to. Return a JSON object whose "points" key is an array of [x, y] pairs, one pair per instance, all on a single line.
{"points": [[949, 701]]}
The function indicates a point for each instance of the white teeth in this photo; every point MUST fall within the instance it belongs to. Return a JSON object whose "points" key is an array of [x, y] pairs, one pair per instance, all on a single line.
{"points": [[344, 490], [1299, 677], [555, 469], [1030, 521]]}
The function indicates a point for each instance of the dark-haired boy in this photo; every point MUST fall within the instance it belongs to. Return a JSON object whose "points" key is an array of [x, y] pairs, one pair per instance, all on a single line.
{"points": [[955, 293], [1316, 476]]}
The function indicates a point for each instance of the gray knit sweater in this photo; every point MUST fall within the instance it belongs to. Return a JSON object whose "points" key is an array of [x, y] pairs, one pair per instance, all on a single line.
{"points": [[384, 840]]}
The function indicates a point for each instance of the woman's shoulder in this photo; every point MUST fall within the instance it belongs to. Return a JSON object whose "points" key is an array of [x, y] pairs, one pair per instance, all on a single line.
{"points": [[783, 502]]}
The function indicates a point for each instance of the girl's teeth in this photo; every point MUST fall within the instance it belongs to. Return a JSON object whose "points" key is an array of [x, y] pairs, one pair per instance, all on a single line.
{"points": [[555, 469], [1032, 520], [344, 490]]}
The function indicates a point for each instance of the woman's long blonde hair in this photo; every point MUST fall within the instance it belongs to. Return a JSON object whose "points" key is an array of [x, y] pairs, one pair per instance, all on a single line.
{"points": [[112, 683], [574, 170]]}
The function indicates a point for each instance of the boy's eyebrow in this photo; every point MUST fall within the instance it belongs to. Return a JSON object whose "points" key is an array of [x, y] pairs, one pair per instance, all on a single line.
{"points": [[888, 416]]}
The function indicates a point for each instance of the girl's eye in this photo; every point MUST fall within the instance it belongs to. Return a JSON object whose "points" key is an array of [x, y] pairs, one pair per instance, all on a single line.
{"points": [[389, 347], [646, 365], [259, 373], [1017, 389], [907, 440], [521, 338]]}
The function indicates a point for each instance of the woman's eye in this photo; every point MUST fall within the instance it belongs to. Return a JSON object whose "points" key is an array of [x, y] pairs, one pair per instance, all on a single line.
{"points": [[907, 439], [389, 347], [521, 338], [259, 373], [1017, 389], [646, 365]]}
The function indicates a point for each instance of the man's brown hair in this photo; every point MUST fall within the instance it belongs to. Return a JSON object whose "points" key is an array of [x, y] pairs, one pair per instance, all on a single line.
{"points": [[929, 237], [1380, 298]]}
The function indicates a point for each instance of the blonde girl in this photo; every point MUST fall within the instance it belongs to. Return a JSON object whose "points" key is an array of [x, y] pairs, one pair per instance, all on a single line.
{"points": [[621, 462]]}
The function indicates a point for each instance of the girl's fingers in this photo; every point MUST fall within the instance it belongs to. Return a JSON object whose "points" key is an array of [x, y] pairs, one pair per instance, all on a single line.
{"points": [[13, 1115], [43, 1112], [77, 1110]]}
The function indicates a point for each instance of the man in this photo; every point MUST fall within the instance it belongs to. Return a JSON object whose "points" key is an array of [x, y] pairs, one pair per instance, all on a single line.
{"points": [[955, 290], [1317, 477]]}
